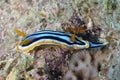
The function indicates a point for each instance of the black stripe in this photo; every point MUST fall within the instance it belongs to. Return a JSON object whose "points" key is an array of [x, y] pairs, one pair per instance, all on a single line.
{"points": [[57, 34], [54, 38]]}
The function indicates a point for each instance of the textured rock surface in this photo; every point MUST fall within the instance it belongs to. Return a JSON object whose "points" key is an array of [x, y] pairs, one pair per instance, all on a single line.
{"points": [[57, 63]]}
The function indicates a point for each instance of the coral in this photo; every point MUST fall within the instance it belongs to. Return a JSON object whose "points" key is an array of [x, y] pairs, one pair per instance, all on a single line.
{"points": [[81, 67]]}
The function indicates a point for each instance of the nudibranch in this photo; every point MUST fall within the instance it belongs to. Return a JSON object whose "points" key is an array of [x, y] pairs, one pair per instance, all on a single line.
{"points": [[53, 38]]}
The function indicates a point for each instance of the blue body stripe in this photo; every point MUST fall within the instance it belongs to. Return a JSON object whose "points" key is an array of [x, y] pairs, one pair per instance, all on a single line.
{"points": [[46, 34], [54, 32], [62, 37], [49, 32]]}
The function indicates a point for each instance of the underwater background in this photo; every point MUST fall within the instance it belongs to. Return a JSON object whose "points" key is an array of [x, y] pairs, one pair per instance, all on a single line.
{"points": [[57, 63]]}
